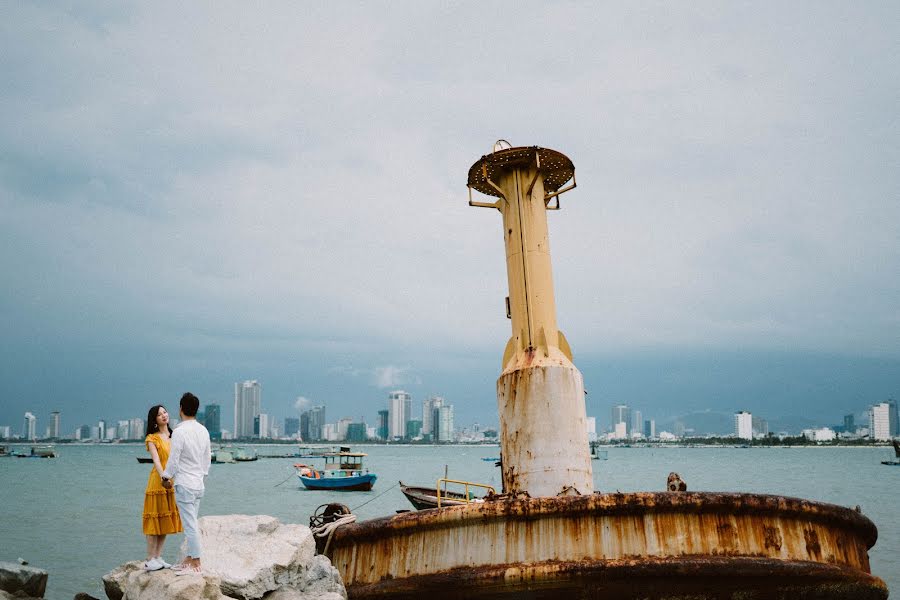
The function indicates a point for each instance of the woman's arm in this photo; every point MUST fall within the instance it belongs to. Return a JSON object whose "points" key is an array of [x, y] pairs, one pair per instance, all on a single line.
{"points": [[155, 454]]}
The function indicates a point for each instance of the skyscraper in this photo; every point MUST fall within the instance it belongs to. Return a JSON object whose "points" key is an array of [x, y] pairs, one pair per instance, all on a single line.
{"points": [[213, 421], [383, 424], [54, 424], [880, 421], [743, 425], [649, 428], [312, 424], [428, 406], [443, 426], [637, 422], [247, 400], [893, 418], [291, 427], [29, 427], [399, 409], [621, 414]]}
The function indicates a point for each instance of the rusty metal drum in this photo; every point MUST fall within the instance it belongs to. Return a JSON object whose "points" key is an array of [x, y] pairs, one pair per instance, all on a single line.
{"points": [[646, 545]]}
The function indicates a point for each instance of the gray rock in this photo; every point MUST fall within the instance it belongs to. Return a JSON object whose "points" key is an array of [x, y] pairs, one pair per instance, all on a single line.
{"points": [[256, 554], [22, 580], [244, 558]]}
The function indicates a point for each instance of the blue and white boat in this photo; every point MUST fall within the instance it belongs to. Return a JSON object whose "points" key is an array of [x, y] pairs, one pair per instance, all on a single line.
{"points": [[343, 472]]}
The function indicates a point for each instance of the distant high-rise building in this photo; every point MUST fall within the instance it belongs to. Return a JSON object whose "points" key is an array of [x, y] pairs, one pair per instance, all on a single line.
{"points": [[849, 423], [743, 425], [29, 427], [399, 409], [5, 432], [649, 428], [84, 432], [291, 427], [137, 428], [312, 424], [247, 403], [413, 428], [760, 426], [356, 432], [591, 427], [621, 414], [880, 421], [637, 422], [342, 426], [123, 430], [54, 424], [261, 426], [213, 421], [893, 418], [621, 430], [443, 426], [383, 427], [428, 406]]}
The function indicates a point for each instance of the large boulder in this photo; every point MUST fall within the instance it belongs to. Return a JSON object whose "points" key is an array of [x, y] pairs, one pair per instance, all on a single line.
{"points": [[22, 580], [256, 554], [244, 558], [132, 582]]}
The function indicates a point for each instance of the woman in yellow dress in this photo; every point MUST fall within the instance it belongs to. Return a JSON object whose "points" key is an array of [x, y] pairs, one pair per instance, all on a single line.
{"points": [[160, 512]]}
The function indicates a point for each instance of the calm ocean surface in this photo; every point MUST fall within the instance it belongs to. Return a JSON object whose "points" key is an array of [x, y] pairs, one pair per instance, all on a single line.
{"points": [[79, 516]]}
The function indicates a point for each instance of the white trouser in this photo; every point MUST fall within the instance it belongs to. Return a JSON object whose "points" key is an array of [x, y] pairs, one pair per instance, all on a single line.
{"points": [[188, 502]]}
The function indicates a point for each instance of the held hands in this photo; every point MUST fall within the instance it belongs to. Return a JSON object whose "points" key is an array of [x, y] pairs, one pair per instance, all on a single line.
{"points": [[167, 483]]}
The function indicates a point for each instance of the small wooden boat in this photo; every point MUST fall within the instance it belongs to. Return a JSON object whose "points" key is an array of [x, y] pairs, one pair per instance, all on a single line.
{"points": [[145, 460], [424, 498], [244, 454], [43, 451], [343, 472], [896, 461], [222, 456]]}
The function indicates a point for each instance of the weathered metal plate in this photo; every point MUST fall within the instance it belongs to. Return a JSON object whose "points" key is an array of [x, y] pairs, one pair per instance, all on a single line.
{"points": [[556, 167], [690, 545]]}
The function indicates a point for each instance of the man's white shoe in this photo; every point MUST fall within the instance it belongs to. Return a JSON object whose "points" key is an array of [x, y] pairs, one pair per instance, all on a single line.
{"points": [[154, 564], [164, 564], [189, 570]]}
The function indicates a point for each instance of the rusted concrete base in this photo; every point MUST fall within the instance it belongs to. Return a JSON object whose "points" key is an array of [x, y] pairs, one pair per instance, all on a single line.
{"points": [[641, 546]]}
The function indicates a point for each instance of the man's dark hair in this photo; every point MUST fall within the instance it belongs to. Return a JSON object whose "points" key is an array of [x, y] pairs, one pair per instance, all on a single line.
{"points": [[190, 404]]}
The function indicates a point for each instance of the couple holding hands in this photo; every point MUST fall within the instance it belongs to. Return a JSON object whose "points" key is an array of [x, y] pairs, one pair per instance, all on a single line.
{"points": [[181, 460]]}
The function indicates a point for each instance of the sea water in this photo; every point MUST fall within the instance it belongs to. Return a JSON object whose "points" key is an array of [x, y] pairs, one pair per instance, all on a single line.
{"points": [[78, 516]]}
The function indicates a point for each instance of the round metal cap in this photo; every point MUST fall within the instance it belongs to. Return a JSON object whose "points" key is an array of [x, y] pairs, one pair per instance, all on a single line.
{"points": [[556, 167]]}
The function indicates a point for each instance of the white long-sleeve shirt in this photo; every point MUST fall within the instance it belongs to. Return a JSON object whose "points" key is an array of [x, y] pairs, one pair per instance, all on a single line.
{"points": [[189, 455]]}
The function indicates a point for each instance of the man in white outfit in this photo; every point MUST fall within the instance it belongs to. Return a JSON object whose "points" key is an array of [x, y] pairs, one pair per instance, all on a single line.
{"points": [[189, 459]]}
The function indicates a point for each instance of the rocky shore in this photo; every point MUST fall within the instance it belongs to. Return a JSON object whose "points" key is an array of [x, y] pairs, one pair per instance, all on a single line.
{"points": [[244, 558]]}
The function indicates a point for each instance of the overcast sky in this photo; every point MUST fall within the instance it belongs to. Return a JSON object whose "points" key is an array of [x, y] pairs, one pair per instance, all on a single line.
{"points": [[196, 194]]}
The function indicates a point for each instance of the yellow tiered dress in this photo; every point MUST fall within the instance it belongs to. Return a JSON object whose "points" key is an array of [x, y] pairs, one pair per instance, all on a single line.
{"points": [[160, 513]]}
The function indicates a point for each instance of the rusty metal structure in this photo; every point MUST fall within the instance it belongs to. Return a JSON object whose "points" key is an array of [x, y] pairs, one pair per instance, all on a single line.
{"points": [[549, 535]]}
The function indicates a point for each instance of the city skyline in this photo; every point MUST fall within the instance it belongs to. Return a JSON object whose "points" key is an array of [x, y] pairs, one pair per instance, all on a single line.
{"points": [[179, 218]]}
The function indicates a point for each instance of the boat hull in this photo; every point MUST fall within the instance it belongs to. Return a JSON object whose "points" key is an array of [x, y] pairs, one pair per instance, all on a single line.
{"points": [[358, 483], [426, 498]]}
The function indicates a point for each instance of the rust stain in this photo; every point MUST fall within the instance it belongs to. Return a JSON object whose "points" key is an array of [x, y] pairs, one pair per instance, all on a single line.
{"points": [[772, 537], [812, 543]]}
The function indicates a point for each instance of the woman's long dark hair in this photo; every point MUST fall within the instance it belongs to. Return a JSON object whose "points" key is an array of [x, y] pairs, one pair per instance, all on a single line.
{"points": [[152, 427]]}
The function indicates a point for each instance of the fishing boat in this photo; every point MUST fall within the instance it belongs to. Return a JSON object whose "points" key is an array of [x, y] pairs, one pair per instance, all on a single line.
{"points": [[145, 460], [4, 451], [222, 456], [43, 451], [343, 472], [424, 498], [896, 461], [244, 454], [597, 453]]}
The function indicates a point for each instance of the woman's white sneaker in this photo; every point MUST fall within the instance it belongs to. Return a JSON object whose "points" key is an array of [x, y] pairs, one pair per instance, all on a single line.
{"points": [[154, 564]]}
